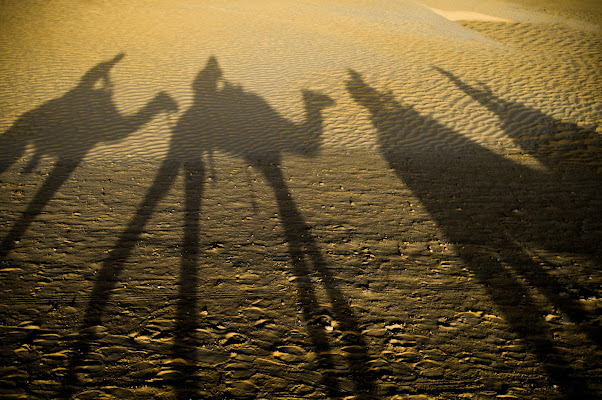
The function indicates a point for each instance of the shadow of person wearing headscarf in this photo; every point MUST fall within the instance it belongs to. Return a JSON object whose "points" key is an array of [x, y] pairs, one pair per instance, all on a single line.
{"points": [[548, 139]]}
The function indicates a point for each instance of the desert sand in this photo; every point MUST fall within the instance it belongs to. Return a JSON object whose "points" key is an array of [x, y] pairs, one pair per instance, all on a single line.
{"points": [[318, 199]]}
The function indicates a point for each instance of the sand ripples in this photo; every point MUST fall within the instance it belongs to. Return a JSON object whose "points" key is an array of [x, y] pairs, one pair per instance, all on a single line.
{"points": [[274, 50]]}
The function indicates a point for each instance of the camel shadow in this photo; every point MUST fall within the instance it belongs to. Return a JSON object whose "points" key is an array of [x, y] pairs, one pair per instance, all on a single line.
{"points": [[472, 194], [227, 119], [67, 128]]}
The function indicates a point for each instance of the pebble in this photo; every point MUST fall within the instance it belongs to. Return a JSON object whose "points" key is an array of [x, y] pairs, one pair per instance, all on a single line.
{"points": [[234, 338]]}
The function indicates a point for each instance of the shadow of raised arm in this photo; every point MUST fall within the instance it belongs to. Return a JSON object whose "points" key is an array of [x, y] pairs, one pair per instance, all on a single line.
{"points": [[469, 195], [548, 139]]}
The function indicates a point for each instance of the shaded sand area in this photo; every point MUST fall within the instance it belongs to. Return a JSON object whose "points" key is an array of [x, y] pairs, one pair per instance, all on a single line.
{"points": [[300, 199]]}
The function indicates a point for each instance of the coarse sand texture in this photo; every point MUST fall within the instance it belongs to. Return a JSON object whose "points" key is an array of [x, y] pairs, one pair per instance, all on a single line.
{"points": [[310, 199]]}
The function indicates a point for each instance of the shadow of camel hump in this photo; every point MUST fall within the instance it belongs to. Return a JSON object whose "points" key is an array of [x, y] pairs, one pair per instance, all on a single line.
{"points": [[471, 198], [67, 128], [546, 138], [225, 118]]}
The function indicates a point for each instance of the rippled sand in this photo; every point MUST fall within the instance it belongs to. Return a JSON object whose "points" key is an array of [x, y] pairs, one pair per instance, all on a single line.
{"points": [[539, 62], [300, 199]]}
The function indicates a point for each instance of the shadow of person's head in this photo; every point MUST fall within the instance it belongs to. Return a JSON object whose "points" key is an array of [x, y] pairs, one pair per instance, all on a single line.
{"points": [[207, 79]]}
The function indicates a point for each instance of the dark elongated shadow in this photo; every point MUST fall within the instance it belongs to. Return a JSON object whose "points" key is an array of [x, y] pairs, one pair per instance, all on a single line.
{"points": [[250, 128], [186, 149], [67, 128], [447, 187], [187, 307], [112, 268], [548, 145], [546, 138], [59, 174], [306, 257], [223, 118]]}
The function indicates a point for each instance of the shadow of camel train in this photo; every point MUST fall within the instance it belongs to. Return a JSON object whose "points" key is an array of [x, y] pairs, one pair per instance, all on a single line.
{"points": [[225, 118], [67, 128], [471, 195]]}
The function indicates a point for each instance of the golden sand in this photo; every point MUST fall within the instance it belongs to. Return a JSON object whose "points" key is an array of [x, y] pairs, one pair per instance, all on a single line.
{"points": [[375, 199], [275, 49]]}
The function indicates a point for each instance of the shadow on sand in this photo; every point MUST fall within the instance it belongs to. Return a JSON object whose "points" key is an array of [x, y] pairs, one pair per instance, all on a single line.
{"points": [[493, 210], [225, 118], [67, 128], [548, 139]]}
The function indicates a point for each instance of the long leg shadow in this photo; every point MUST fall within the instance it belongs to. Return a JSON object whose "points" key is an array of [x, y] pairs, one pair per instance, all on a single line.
{"points": [[547, 146], [187, 307], [57, 177], [444, 187], [306, 256], [112, 268], [243, 124]]}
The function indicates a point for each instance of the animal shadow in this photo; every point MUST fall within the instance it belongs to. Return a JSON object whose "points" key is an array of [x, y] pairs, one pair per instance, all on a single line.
{"points": [[227, 119], [472, 194], [66, 129]]}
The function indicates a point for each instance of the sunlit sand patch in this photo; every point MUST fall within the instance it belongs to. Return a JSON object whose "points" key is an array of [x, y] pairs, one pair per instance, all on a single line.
{"points": [[468, 16]]}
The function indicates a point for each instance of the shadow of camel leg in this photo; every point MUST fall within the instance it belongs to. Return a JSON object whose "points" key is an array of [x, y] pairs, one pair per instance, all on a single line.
{"points": [[112, 267], [538, 277], [187, 313], [301, 245], [524, 316], [57, 178]]}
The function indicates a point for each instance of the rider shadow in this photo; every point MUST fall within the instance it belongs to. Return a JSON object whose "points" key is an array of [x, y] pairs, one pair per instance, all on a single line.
{"points": [[225, 118], [450, 187], [549, 140], [67, 128]]}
